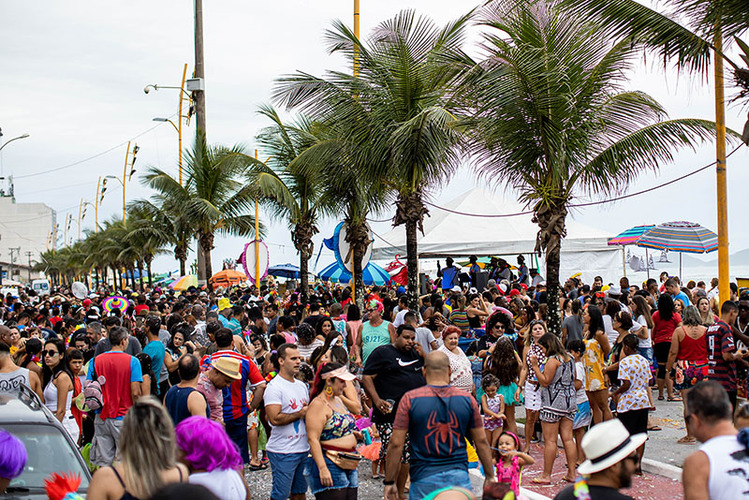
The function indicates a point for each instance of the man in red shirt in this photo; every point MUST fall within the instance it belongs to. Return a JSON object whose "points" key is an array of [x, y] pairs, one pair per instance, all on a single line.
{"points": [[120, 376]]}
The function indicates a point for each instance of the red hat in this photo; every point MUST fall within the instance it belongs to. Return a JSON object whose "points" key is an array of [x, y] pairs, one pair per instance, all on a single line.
{"points": [[514, 292], [86, 302], [523, 286]]}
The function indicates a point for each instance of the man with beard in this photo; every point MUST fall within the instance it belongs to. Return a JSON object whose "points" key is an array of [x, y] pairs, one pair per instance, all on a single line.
{"points": [[611, 457]]}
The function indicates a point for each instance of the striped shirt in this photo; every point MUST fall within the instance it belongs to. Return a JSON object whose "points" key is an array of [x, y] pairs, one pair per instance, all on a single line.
{"points": [[235, 396], [720, 340]]}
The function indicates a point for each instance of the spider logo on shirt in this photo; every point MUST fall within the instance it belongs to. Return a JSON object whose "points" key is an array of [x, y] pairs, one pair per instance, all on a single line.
{"points": [[442, 432]]}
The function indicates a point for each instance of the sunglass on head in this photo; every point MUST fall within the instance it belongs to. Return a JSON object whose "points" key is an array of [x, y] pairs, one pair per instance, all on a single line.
{"points": [[51, 354]]}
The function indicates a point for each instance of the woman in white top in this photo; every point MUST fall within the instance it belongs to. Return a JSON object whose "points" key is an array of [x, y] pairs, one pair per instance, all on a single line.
{"points": [[212, 458], [58, 385], [461, 375]]}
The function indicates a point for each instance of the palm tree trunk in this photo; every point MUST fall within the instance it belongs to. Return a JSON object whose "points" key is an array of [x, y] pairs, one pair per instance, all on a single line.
{"points": [[206, 243], [180, 253], [357, 237], [149, 260], [302, 238], [551, 221], [412, 263], [140, 273], [410, 210], [115, 272]]}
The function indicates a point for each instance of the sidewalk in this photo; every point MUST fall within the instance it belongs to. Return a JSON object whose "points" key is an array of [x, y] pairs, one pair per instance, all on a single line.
{"points": [[662, 462]]}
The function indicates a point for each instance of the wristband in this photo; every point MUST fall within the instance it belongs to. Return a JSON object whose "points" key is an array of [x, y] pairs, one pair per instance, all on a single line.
{"points": [[388, 483]]}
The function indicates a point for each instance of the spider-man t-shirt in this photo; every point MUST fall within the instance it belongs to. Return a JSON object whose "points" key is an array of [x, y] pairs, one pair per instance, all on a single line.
{"points": [[437, 419]]}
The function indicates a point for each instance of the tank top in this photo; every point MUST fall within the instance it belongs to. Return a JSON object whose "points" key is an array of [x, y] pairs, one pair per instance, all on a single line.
{"points": [[50, 397], [474, 321], [728, 475], [693, 349], [373, 337], [176, 403], [11, 382]]}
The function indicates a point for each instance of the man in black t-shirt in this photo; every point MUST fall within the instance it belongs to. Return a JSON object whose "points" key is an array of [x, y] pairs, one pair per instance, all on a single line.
{"points": [[391, 371], [611, 457]]}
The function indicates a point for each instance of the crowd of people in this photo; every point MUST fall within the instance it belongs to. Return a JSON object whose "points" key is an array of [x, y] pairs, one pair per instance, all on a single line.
{"points": [[203, 387]]}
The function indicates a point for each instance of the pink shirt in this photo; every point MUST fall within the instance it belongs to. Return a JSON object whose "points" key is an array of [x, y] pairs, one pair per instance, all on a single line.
{"points": [[213, 396]]}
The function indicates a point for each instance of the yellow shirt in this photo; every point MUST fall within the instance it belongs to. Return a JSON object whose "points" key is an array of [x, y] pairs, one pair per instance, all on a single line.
{"points": [[593, 360]]}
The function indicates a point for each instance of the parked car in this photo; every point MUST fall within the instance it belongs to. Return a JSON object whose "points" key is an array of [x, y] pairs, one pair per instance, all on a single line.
{"points": [[49, 447]]}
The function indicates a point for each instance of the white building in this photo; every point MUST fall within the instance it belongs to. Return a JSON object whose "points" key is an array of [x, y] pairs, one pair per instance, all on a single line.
{"points": [[26, 230]]}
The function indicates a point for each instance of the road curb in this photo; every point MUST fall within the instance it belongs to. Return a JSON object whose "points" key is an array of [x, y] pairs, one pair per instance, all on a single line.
{"points": [[648, 465]]}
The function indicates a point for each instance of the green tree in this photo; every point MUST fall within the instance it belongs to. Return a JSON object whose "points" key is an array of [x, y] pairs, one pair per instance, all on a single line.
{"points": [[554, 120], [286, 186], [213, 197], [165, 224], [396, 115]]}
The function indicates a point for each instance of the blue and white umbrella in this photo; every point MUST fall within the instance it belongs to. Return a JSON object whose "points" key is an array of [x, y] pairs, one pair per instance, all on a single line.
{"points": [[372, 274]]}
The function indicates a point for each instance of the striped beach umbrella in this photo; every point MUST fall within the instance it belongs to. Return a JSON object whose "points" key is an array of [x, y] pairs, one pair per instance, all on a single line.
{"points": [[372, 274], [680, 236], [629, 237]]}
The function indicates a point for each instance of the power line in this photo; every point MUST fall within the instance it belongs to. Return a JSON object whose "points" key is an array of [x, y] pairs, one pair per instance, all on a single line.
{"points": [[592, 203], [57, 169]]}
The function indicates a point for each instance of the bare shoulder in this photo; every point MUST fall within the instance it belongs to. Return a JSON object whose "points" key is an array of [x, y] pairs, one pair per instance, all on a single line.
{"points": [[697, 461]]}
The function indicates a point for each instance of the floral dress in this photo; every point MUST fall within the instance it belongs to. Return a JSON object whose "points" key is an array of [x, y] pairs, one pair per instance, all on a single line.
{"points": [[593, 360]]}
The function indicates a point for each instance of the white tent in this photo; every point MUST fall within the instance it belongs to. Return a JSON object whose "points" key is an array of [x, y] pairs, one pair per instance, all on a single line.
{"points": [[451, 234]]}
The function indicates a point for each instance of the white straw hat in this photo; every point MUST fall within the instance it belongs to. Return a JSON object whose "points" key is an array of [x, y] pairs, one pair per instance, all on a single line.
{"points": [[606, 444]]}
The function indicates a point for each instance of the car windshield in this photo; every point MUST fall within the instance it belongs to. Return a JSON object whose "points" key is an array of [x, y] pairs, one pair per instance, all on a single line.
{"points": [[49, 451]]}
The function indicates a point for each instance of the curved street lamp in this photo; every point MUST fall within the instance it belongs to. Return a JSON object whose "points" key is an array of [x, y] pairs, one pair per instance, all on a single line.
{"points": [[24, 136]]}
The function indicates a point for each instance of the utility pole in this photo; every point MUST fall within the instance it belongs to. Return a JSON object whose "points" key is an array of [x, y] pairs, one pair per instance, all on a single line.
{"points": [[29, 254], [199, 98], [17, 252], [724, 290], [199, 95]]}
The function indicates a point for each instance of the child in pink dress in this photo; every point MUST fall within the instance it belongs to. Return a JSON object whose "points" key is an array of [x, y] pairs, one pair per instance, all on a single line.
{"points": [[510, 461]]}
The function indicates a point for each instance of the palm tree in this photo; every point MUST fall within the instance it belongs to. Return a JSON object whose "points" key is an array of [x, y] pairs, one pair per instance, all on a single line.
{"points": [[553, 120], [396, 114], [286, 187], [168, 226], [213, 197]]}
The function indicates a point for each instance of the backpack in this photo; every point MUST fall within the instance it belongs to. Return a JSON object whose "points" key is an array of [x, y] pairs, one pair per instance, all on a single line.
{"points": [[92, 393]]}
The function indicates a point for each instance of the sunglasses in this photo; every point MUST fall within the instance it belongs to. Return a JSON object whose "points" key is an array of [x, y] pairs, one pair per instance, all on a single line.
{"points": [[51, 354], [499, 326]]}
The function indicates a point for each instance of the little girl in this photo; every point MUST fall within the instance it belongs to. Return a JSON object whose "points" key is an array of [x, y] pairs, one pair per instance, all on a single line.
{"points": [[493, 407], [510, 461]]}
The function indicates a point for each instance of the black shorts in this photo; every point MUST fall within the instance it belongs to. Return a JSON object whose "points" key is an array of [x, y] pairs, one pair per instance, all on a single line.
{"points": [[660, 351], [635, 421]]}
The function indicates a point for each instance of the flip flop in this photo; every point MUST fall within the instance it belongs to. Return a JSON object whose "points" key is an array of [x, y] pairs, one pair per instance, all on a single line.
{"points": [[255, 468], [687, 440], [655, 428], [568, 480], [538, 481], [661, 398]]}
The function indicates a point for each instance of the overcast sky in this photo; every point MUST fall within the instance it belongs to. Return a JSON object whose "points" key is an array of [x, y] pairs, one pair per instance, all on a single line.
{"points": [[74, 72]]}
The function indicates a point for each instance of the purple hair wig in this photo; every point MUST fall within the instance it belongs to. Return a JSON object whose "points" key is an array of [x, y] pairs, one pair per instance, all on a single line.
{"points": [[206, 445], [13, 458]]}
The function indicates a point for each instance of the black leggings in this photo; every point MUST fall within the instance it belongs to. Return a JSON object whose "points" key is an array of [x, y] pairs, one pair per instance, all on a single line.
{"points": [[660, 351], [338, 494]]}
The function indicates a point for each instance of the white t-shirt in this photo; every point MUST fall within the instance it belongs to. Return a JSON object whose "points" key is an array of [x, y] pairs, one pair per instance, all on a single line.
{"points": [[224, 483], [399, 318], [641, 323], [292, 396], [425, 337], [580, 396]]}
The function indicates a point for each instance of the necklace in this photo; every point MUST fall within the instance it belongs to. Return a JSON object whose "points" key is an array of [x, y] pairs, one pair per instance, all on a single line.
{"points": [[738, 326]]}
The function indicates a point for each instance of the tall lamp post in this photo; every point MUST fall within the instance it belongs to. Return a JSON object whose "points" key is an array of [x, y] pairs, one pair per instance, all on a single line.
{"points": [[23, 136], [126, 176], [180, 115]]}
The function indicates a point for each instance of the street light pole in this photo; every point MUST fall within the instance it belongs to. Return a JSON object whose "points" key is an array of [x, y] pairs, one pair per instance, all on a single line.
{"points": [[724, 290], [24, 136], [199, 95], [124, 177], [179, 116]]}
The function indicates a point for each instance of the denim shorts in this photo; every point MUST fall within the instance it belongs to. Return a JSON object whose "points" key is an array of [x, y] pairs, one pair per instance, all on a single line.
{"points": [[288, 474], [435, 481], [342, 479], [647, 353]]}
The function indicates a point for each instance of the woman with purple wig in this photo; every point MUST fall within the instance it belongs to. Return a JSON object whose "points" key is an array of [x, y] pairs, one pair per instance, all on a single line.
{"points": [[212, 457], [12, 459]]}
